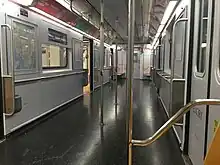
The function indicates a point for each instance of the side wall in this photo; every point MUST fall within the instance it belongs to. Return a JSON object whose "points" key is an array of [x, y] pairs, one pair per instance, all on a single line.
{"points": [[43, 96], [43, 90]]}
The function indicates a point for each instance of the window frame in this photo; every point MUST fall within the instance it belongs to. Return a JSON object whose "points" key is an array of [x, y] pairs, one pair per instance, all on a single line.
{"points": [[200, 41], [56, 67], [35, 28]]}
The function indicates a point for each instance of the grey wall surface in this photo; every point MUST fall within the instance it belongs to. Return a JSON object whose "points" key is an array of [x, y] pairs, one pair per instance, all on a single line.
{"points": [[106, 78], [42, 96], [44, 90]]}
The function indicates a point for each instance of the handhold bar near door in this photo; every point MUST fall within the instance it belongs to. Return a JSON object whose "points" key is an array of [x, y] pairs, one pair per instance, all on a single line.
{"points": [[160, 132], [12, 75]]}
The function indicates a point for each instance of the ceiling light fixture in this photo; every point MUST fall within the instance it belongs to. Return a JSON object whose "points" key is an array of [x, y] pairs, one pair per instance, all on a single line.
{"points": [[166, 16], [168, 12], [24, 2]]}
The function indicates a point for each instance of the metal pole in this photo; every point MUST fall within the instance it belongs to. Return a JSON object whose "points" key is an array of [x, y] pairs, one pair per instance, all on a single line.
{"points": [[116, 72], [131, 22], [102, 54]]}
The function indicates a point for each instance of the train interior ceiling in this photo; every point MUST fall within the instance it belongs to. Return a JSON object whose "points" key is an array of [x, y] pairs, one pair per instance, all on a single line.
{"points": [[90, 76]]}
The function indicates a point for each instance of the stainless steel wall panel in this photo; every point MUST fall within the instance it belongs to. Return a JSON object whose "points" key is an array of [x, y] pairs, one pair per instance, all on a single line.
{"points": [[43, 95]]}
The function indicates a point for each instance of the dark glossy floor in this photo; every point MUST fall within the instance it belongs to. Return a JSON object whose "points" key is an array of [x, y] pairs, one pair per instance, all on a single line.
{"points": [[74, 136]]}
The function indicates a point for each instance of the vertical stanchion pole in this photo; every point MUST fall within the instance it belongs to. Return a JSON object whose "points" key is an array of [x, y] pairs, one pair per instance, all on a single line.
{"points": [[116, 72], [131, 22], [102, 54]]}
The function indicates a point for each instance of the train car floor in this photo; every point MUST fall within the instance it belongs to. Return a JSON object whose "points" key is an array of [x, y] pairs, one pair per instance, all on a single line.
{"points": [[75, 137]]}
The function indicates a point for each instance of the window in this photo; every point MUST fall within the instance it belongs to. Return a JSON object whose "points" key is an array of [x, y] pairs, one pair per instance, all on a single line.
{"points": [[54, 56], [164, 54], [85, 57], [96, 58], [77, 54], [170, 52], [202, 34], [105, 58], [135, 57], [179, 48], [24, 40], [110, 59]]}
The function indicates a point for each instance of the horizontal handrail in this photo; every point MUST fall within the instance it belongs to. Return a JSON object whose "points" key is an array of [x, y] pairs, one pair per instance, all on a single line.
{"points": [[175, 118]]}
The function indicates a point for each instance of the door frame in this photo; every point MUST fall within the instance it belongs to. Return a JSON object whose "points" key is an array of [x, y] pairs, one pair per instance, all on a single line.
{"points": [[189, 73], [209, 77]]}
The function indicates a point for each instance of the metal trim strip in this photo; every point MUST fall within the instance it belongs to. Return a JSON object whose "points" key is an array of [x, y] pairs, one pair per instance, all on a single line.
{"points": [[47, 77]]}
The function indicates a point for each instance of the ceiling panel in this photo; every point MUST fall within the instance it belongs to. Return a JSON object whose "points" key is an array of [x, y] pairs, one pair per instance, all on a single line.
{"points": [[149, 14], [118, 9], [157, 11], [114, 9]]}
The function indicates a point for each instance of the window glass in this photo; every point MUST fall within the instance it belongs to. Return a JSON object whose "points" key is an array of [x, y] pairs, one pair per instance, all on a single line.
{"points": [[54, 56], [170, 52], [179, 46], [96, 58], [78, 54], [164, 54], [24, 44], [135, 57], [85, 57], [202, 41], [106, 58], [110, 59]]}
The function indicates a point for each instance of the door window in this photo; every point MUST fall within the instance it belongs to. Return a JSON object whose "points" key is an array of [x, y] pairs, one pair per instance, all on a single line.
{"points": [[202, 36], [77, 54], [24, 47], [96, 58], [85, 57]]}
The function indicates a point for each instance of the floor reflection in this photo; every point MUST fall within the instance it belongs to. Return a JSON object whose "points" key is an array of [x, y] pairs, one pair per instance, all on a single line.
{"points": [[75, 137]]}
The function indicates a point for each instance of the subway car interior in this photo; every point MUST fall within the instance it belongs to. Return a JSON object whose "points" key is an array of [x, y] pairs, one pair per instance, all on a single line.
{"points": [[111, 82]]}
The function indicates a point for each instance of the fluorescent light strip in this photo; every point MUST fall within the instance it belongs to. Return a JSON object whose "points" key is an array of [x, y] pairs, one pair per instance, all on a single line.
{"points": [[165, 18], [160, 29], [67, 6], [168, 11], [56, 21], [24, 2]]}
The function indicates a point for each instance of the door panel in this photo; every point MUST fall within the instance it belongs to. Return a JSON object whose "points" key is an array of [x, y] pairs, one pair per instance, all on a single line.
{"points": [[21, 63], [199, 79], [214, 111]]}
